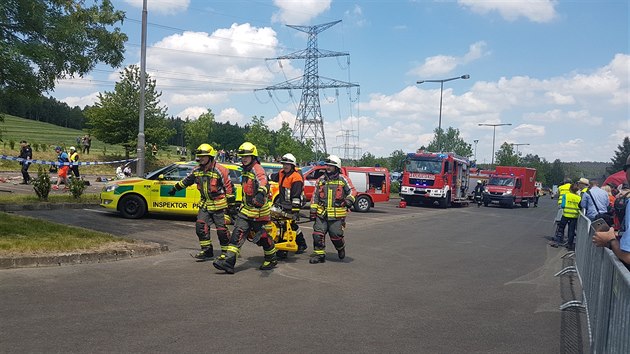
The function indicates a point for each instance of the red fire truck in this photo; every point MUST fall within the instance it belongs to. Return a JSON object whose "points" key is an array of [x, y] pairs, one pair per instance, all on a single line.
{"points": [[430, 177], [511, 185]]}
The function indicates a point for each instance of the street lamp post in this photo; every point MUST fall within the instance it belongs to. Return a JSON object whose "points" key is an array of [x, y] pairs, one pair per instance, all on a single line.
{"points": [[476, 141], [517, 145], [494, 131], [465, 77]]}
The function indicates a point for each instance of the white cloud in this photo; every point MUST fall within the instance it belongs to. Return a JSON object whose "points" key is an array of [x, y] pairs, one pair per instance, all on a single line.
{"points": [[275, 123], [560, 99], [533, 10], [82, 101], [527, 130], [355, 16], [192, 112], [187, 99], [299, 12], [169, 7], [231, 115], [444, 64]]}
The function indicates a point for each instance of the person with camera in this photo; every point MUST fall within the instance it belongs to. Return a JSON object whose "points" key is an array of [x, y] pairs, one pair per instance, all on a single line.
{"points": [[26, 153]]}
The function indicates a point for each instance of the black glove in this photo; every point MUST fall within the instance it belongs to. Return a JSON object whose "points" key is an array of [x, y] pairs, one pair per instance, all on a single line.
{"points": [[313, 215], [231, 199], [349, 202], [259, 200], [172, 191]]}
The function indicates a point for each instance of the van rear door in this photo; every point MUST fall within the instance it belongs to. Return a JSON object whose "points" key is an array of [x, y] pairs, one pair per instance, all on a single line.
{"points": [[359, 180]]}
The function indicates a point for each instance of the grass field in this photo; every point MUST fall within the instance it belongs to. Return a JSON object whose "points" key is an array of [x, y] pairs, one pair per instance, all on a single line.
{"points": [[23, 235], [16, 129]]}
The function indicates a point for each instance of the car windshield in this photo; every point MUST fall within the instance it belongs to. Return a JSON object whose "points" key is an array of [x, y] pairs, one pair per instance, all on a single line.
{"points": [[501, 181], [271, 167], [174, 172], [424, 166]]}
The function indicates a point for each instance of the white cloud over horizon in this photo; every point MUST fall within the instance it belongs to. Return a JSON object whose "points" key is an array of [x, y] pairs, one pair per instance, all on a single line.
{"points": [[534, 10]]}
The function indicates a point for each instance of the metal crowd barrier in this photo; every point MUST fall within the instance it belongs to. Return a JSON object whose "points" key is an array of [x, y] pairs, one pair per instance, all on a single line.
{"points": [[605, 292]]}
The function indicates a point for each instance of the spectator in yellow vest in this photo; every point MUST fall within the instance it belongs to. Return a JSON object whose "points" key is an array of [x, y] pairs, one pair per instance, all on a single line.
{"points": [[570, 205]]}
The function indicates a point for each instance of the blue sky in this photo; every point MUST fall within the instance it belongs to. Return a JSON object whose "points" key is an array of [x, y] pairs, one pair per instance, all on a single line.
{"points": [[558, 71]]}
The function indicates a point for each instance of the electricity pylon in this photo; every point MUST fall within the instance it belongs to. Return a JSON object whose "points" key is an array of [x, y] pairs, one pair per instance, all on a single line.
{"points": [[309, 123]]}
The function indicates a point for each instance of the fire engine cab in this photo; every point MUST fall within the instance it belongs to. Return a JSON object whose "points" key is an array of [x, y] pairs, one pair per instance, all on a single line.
{"points": [[430, 177]]}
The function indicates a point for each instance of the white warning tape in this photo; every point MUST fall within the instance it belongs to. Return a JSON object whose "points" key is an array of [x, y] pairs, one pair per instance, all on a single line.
{"points": [[57, 163]]}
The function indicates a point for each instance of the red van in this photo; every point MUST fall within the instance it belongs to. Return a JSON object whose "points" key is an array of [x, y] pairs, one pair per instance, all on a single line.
{"points": [[371, 184]]}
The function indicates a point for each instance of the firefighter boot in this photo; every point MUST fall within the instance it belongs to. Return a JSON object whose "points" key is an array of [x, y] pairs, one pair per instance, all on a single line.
{"points": [[301, 243], [205, 254], [342, 253], [319, 256], [226, 264], [269, 263]]}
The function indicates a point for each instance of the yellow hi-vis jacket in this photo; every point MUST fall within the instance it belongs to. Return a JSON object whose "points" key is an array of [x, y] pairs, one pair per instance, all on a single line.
{"points": [[562, 190], [570, 205], [332, 196]]}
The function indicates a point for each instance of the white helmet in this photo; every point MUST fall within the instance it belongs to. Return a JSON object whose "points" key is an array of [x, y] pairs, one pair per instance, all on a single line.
{"points": [[72, 148], [478, 181], [288, 158], [333, 160]]}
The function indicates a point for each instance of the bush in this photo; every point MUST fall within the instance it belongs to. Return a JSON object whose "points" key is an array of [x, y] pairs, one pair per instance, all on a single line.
{"points": [[41, 184], [44, 147], [12, 144], [35, 147], [76, 186], [395, 187]]}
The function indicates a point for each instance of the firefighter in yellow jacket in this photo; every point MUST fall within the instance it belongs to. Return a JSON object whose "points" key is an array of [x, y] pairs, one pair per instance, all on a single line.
{"points": [[332, 197], [254, 213], [214, 185]]}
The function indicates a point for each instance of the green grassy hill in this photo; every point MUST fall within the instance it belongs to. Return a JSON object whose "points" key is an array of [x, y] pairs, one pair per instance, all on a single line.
{"points": [[37, 134]]}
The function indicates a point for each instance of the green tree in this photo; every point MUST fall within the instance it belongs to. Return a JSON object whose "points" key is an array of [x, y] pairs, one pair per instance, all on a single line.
{"points": [[367, 160], [621, 155], [397, 160], [540, 164], [260, 135], [44, 40], [449, 142], [228, 136], [198, 131], [556, 173], [285, 143], [114, 117], [506, 156]]}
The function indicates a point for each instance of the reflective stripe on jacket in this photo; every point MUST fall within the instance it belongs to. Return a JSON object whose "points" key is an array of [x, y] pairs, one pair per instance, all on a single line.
{"points": [[213, 183], [254, 181], [330, 195], [570, 205]]}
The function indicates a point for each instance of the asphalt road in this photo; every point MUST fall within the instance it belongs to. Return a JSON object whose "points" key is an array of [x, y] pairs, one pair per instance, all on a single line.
{"points": [[418, 279]]}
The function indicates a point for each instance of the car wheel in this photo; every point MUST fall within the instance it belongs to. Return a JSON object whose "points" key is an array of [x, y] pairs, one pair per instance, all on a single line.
{"points": [[362, 204], [525, 203], [132, 207]]}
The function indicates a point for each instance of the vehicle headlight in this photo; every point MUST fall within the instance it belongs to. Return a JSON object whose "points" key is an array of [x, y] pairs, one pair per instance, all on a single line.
{"points": [[507, 192], [485, 190], [110, 188]]}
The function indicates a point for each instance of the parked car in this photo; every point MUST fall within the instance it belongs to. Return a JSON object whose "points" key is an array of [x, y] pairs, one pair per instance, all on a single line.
{"points": [[135, 197]]}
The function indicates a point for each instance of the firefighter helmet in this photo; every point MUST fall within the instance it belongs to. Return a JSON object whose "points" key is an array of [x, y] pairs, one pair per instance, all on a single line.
{"points": [[247, 149], [206, 150], [288, 158], [333, 160], [72, 148]]}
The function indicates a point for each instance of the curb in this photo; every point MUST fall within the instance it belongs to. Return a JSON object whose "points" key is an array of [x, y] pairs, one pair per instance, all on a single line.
{"points": [[45, 206], [82, 258]]}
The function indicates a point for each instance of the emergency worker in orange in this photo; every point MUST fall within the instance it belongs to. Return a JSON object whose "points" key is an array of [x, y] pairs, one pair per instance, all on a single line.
{"points": [[215, 187], [291, 185], [332, 197], [254, 213]]}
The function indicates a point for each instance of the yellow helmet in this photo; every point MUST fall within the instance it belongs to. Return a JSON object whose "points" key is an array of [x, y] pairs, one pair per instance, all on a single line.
{"points": [[206, 150], [247, 149]]}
